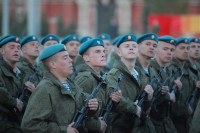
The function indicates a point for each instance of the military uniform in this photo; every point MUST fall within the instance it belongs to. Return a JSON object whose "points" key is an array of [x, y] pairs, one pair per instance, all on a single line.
{"points": [[10, 88], [160, 113], [180, 114], [52, 107], [113, 58], [123, 122], [28, 70], [195, 128]]}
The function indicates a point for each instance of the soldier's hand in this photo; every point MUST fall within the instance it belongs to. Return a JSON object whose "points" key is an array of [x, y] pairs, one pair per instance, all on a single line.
{"points": [[172, 97], [19, 105], [149, 90], [70, 129], [30, 86], [116, 96], [178, 83], [190, 111], [93, 104], [103, 125], [138, 113], [198, 84], [165, 90]]}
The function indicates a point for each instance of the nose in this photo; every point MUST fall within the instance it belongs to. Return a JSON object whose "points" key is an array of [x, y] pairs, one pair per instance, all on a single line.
{"points": [[70, 60]]}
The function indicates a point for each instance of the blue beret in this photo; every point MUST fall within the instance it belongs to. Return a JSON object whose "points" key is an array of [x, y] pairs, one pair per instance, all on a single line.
{"points": [[29, 39], [182, 40], [114, 41], [52, 50], [90, 43], [168, 39], [126, 38], [193, 39], [85, 38], [50, 37], [104, 36], [4, 37], [10, 39], [70, 38], [148, 36]]}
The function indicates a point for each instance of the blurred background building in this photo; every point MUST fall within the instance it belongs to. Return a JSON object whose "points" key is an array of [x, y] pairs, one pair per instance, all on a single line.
{"points": [[92, 17]]}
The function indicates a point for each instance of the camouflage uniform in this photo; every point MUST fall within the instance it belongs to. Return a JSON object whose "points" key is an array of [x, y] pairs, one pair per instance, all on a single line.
{"points": [[10, 88], [88, 79], [124, 120], [160, 114], [180, 107], [195, 128], [28, 70], [52, 107]]}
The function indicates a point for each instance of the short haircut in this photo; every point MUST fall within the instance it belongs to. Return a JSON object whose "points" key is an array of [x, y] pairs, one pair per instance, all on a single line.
{"points": [[47, 60]]}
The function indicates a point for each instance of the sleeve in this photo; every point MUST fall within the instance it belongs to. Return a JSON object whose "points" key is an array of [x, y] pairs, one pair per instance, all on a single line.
{"points": [[38, 112], [6, 98]]}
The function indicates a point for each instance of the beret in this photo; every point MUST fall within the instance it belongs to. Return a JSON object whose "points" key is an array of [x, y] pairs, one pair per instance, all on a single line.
{"points": [[168, 39], [4, 37], [104, 36], [193, 39], [115, 40], [85, 38], [50, 37], [148, 36], [90, 43], [10, 39], [126, 38], [70, 38], [182, 40], [52, 50], [29, 39]]}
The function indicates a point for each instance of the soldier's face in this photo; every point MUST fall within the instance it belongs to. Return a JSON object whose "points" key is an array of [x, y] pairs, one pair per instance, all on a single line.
{"points": [[194, 52], [107, 46], [165, 52], [63, 64], [49, 43], [96, 57], [31, 49], [182, 51], [11, 52], [128, 50], [72, 48], [147, 48]]}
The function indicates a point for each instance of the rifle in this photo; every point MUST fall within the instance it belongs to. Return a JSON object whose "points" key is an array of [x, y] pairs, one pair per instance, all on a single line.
{"points": [[157, 93], [80, 115], [25, 91], [174, 87], [193, 96], [105, 111], [141, 98]]}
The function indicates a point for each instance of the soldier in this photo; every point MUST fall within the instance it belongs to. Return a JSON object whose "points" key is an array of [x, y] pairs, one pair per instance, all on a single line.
{"points": [[113, 57], [160, 116], [88, 76], [49, 40], [84, 39], [55, 100], [10, 85], [1, 39], [30, 48], [107, 44], [124, 121], [181, 109]]}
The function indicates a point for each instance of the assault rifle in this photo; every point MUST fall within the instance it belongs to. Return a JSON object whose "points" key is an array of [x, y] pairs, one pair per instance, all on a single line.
{"points": [[25, 91], [105, 111], [157, 93], [141, 97], [80, 115], [193, 96], [174, 87]]}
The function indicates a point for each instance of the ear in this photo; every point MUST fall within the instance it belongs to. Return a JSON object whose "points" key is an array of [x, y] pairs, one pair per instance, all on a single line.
{"points": [[119, 52], [52, 65], [86, 58], [23, 49]]}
